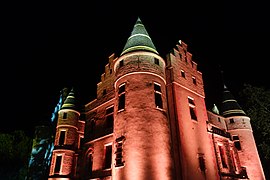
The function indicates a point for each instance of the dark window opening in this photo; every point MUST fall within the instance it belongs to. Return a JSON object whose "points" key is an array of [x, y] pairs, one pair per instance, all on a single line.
{"points": [[121, 89], [202, 163], [104, 92], [192, 113], [121, 102], [157, 88], [237, 145], [158, 96], [121, 63], [108, 157], [62, 138], [183, 74], [64, 115], [194, 81], [233, 160], [156, 61], [231, 120], [158, 100], [109, 121], [191, 101], [57, 164], [119, 152], [110, 71], [90, 165], [223, 157], [121, 97], [109, 117]]}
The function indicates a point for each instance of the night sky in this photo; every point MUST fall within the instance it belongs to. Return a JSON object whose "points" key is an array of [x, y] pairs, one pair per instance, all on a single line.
{"points": [[49, 45]]}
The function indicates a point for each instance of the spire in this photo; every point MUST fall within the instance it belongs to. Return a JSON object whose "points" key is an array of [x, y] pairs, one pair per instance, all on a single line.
{"points": [[229, 106], [139, 39], [215, 109], [70, 101]]}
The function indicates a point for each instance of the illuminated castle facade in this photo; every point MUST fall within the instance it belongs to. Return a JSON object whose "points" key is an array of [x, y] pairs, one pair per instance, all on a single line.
{"points": [[150, 122]]}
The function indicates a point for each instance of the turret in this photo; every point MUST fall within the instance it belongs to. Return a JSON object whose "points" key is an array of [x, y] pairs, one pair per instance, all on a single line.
{"points": [[69, 131], [239, 126], [141, 130]]}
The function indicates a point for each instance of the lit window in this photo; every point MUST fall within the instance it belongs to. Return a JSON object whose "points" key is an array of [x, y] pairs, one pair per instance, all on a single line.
{"points": [[57, 164], [121, 97], [222, 156], [62, 137], [109, 117], [192, 109], [236, 142], [158, 96], [108, 157], [119, 152]]}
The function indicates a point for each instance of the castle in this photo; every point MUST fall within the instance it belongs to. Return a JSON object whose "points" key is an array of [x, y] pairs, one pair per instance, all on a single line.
{"points": [[150, 122]]}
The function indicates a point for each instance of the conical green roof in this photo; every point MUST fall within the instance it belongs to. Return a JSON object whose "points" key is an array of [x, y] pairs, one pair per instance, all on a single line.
{"points": [[139, 40], [70, 101], [230, 106]]}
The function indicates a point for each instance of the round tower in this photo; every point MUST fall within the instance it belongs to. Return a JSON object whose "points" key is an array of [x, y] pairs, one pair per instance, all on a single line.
{"points": [[142, 147], [66, 140], [239, 126]]}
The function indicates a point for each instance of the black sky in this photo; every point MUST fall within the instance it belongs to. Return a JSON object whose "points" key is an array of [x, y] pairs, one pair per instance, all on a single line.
{"points": [[48, 45]]}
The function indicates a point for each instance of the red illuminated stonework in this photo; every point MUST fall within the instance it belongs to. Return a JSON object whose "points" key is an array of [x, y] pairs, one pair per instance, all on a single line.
{"points": [[149, 122]]}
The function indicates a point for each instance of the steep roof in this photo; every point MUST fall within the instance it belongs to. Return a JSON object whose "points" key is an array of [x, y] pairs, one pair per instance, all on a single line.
{"points": [[70, 101], [139, 40], [230, 106]]}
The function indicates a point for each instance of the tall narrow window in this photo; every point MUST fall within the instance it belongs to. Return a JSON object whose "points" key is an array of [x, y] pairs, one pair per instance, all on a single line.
{"points": [[202, 162], [57, 164], [194, 81], [119, 152], [236, 142], [90, 165], [192, 108], [62, 137], [158, 96], [233, 160], [64, 115], [108, 157], [222, 156], [109, 117], [121, 97]]}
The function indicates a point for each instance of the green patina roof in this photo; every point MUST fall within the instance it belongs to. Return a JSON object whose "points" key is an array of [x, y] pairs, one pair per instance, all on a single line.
{"points": [[230, 106], [70, 101], [139, 40]]}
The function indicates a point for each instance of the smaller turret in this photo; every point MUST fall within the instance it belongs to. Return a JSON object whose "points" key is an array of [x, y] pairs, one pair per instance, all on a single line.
{"points": [[239, 126], [67, 138]]}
